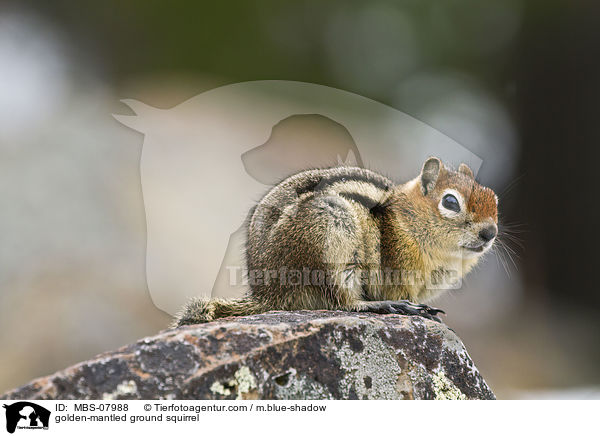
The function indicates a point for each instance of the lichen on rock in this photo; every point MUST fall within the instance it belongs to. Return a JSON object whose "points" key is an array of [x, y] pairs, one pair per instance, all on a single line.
{"points": [[279, 355], [243, 383], [444, 388]]}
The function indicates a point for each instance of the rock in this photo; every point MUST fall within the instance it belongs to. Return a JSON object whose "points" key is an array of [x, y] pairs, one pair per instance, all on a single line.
{"points": [[279, 355]]}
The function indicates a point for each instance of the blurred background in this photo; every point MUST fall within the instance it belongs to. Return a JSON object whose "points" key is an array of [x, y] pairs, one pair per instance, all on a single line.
{"points": [[515, 82]]}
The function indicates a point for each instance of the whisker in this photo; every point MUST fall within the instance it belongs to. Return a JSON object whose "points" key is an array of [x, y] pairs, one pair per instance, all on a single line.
{"points": [[501, 260], [511, 185], [509, 249], [510, 253]]}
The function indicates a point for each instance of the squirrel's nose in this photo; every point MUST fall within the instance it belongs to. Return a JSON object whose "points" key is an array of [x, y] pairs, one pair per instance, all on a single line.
{"points": [[488, 233]]}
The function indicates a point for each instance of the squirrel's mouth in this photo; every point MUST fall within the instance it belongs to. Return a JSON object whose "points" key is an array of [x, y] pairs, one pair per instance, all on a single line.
{"points": [[477, 248]]}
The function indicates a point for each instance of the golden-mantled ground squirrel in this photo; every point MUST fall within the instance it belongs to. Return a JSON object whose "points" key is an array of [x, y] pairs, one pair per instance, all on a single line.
{"points": [[346, 238]]}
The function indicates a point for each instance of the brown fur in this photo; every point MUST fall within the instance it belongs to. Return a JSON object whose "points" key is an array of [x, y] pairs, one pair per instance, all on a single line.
{"points": [[346, 222]]}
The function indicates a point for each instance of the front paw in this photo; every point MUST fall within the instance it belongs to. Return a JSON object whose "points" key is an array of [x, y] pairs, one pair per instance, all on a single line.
{"points": [[404, 307]]}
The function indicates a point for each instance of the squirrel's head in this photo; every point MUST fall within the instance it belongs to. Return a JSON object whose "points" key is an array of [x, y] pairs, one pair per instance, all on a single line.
{"points": [[463, 215]]}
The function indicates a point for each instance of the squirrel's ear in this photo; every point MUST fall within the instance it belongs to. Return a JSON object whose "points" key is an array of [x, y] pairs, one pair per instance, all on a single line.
{"points": [[464, 168], [429, 174]]}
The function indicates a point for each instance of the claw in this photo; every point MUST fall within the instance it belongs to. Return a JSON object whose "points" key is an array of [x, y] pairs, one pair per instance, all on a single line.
{"points": [[405, 307], [435, 311], [423, 307]]}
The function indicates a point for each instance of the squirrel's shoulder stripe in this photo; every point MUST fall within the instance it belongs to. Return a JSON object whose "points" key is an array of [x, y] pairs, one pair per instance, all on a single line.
{"points": [[374, 206], [316, 180]]}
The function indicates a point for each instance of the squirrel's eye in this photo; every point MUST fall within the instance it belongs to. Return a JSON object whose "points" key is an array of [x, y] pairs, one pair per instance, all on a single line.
{"points": [[451, 203]]}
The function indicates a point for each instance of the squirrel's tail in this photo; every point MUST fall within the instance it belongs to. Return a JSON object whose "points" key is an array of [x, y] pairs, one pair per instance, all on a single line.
{"points": [[201, 310]]}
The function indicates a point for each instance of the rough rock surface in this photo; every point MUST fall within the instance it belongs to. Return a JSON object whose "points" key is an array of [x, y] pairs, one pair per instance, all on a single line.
{"points": [[279, 355]]}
